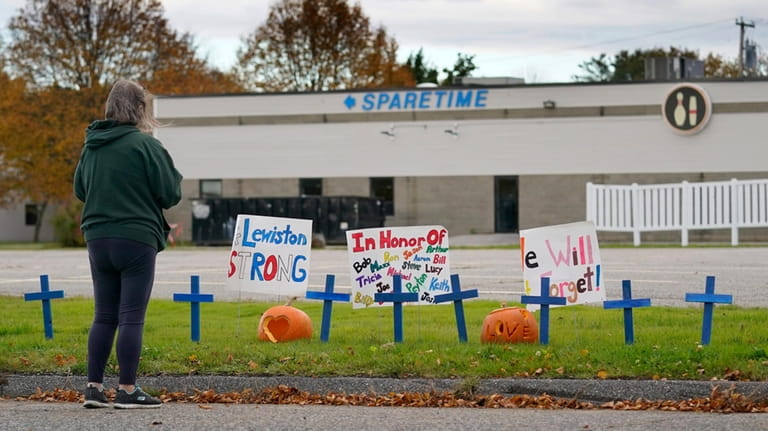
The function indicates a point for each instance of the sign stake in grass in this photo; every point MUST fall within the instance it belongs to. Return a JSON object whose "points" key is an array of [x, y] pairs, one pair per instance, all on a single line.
{"points": [[457, 296], [397, 297], [708, 298], [45, 295], [544, 301], [194, 298], [328, 297], [627, 303]]}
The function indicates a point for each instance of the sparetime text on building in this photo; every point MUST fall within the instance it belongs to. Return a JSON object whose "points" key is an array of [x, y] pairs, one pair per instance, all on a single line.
{"points": [[475, 158]]}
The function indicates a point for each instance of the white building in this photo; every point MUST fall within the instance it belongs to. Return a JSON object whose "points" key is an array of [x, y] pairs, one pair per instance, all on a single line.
{"points": [[473, 159]]}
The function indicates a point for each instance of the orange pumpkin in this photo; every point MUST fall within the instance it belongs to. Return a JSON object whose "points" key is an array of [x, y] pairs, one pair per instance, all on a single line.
{"points": [[509, 325], [284, 323]]}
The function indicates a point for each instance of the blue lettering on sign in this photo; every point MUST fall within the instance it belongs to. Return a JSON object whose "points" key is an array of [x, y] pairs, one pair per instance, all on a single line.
{"points": [[418, 100]]}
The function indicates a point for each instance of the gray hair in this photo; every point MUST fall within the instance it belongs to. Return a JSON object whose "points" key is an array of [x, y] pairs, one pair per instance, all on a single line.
{"points": [[129, 102]]}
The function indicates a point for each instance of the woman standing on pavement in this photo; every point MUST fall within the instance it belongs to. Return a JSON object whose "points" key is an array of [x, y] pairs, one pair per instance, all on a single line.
{"points": [[125, 179]]}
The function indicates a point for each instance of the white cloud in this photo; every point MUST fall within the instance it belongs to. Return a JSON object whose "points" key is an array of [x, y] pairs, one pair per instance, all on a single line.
{"points": [[542, 40]]}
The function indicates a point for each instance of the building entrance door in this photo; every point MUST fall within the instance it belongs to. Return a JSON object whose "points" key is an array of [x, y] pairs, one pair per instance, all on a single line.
{"points": [[505, 191]]}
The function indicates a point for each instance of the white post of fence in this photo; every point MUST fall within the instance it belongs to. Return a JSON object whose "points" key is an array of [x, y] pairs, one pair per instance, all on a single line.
{"points": [[687, 211], [636, 214], [736, 211]]}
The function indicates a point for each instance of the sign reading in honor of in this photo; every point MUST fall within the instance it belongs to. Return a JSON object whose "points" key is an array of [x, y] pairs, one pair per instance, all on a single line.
{"points": [[418, 254], [687, 108], [270, 255]]}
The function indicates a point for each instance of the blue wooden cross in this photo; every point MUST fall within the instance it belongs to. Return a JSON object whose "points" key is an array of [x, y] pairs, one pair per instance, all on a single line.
{"points": [[45, 295], [545, 301], [458, 307], [397, 297], [194, 298], [708, 298], [627, 303], [328, 297]]}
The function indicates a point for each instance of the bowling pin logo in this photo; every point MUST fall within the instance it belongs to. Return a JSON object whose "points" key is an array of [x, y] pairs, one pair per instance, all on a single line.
{"points": [[687, 109], [679, 110], [692, 112]]}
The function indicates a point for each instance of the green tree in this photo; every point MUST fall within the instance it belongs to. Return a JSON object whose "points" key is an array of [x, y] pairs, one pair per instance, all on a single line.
{"points": [[625, 65], [317, 45], [463, 67], [597, 69], [421, 70]]}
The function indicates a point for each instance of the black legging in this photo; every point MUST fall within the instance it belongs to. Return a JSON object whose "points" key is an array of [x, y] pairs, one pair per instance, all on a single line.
{"points": [[123, 272]]}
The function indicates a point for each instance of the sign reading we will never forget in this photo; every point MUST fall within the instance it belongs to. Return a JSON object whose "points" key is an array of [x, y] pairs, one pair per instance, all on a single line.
{"points": [[418, 254], [569, 255], [270, 255]]}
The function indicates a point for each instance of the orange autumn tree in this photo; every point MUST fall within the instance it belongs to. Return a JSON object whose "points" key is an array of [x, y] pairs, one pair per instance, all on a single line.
{"points": [[318, 45], [62, 56], [180, 72], [39, 145]]}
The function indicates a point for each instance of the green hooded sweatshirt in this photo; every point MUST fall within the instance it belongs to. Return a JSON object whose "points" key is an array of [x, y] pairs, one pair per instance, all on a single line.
{"points": [[125, 179]]}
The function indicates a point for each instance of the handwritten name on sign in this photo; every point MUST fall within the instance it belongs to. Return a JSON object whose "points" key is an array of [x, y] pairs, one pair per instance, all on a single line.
{"points": [[418, 254], [270, 255], [569, 255]]}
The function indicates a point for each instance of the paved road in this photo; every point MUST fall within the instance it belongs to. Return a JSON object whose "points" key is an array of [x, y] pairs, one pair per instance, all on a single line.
{"points": [[662, 274], [70, 416]]}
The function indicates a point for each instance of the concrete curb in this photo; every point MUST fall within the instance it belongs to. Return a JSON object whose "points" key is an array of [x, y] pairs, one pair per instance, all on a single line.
{"points": [[583, 390]]}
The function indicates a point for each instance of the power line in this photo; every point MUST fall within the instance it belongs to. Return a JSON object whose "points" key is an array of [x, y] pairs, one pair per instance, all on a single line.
{"points": [[625, 39]]}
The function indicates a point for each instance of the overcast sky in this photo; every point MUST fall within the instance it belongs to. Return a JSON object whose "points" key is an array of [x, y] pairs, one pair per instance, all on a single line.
{"points": [[538, 40]]}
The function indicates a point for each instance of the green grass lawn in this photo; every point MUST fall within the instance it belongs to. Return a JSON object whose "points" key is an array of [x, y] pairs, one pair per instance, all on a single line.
{"points": [[585, 342]]}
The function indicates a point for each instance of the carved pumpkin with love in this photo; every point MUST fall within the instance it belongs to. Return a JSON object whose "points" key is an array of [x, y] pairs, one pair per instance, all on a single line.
{"points": [[284, 323], [509, 325]]}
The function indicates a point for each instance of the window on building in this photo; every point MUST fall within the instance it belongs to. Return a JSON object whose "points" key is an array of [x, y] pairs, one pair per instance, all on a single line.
{"points": [[383, 188], [506, 204], [210, 189], [310, 186], [30, 215]]}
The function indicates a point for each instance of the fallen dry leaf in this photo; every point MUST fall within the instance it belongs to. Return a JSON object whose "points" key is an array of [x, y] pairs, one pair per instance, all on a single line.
{"points": [[719, 400]]}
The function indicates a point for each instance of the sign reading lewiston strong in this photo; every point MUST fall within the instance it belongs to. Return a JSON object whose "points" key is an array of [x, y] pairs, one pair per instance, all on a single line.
{"points": [[418, 254], [270, 255]]}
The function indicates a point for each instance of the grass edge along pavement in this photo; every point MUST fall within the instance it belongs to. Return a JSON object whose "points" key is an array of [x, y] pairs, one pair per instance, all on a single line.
{"points": [[538, 381], [586, 343], [476, 390]]}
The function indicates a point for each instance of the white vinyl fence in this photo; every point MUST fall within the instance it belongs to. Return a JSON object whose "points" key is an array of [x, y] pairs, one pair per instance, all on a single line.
{"points": [[685, 206]]}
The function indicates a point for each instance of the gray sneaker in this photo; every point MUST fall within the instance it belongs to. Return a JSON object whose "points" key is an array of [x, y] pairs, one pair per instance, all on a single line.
{"points": [[95, 398], [137, 399]]}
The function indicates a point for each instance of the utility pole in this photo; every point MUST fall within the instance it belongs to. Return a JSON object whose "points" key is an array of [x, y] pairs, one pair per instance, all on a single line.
{"points": [[741, 23]]}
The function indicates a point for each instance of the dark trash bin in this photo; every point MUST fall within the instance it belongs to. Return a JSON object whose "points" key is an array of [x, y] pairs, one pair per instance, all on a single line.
{"points": [[213, 220]]}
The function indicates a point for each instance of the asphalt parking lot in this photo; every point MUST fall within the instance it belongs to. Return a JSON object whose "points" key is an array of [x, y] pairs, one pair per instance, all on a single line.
{"points": [[662, 274]]}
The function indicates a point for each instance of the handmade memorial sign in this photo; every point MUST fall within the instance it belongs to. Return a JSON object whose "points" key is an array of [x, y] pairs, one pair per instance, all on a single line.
{"points": [[270, 255], [569, 256], [418, 254]]}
